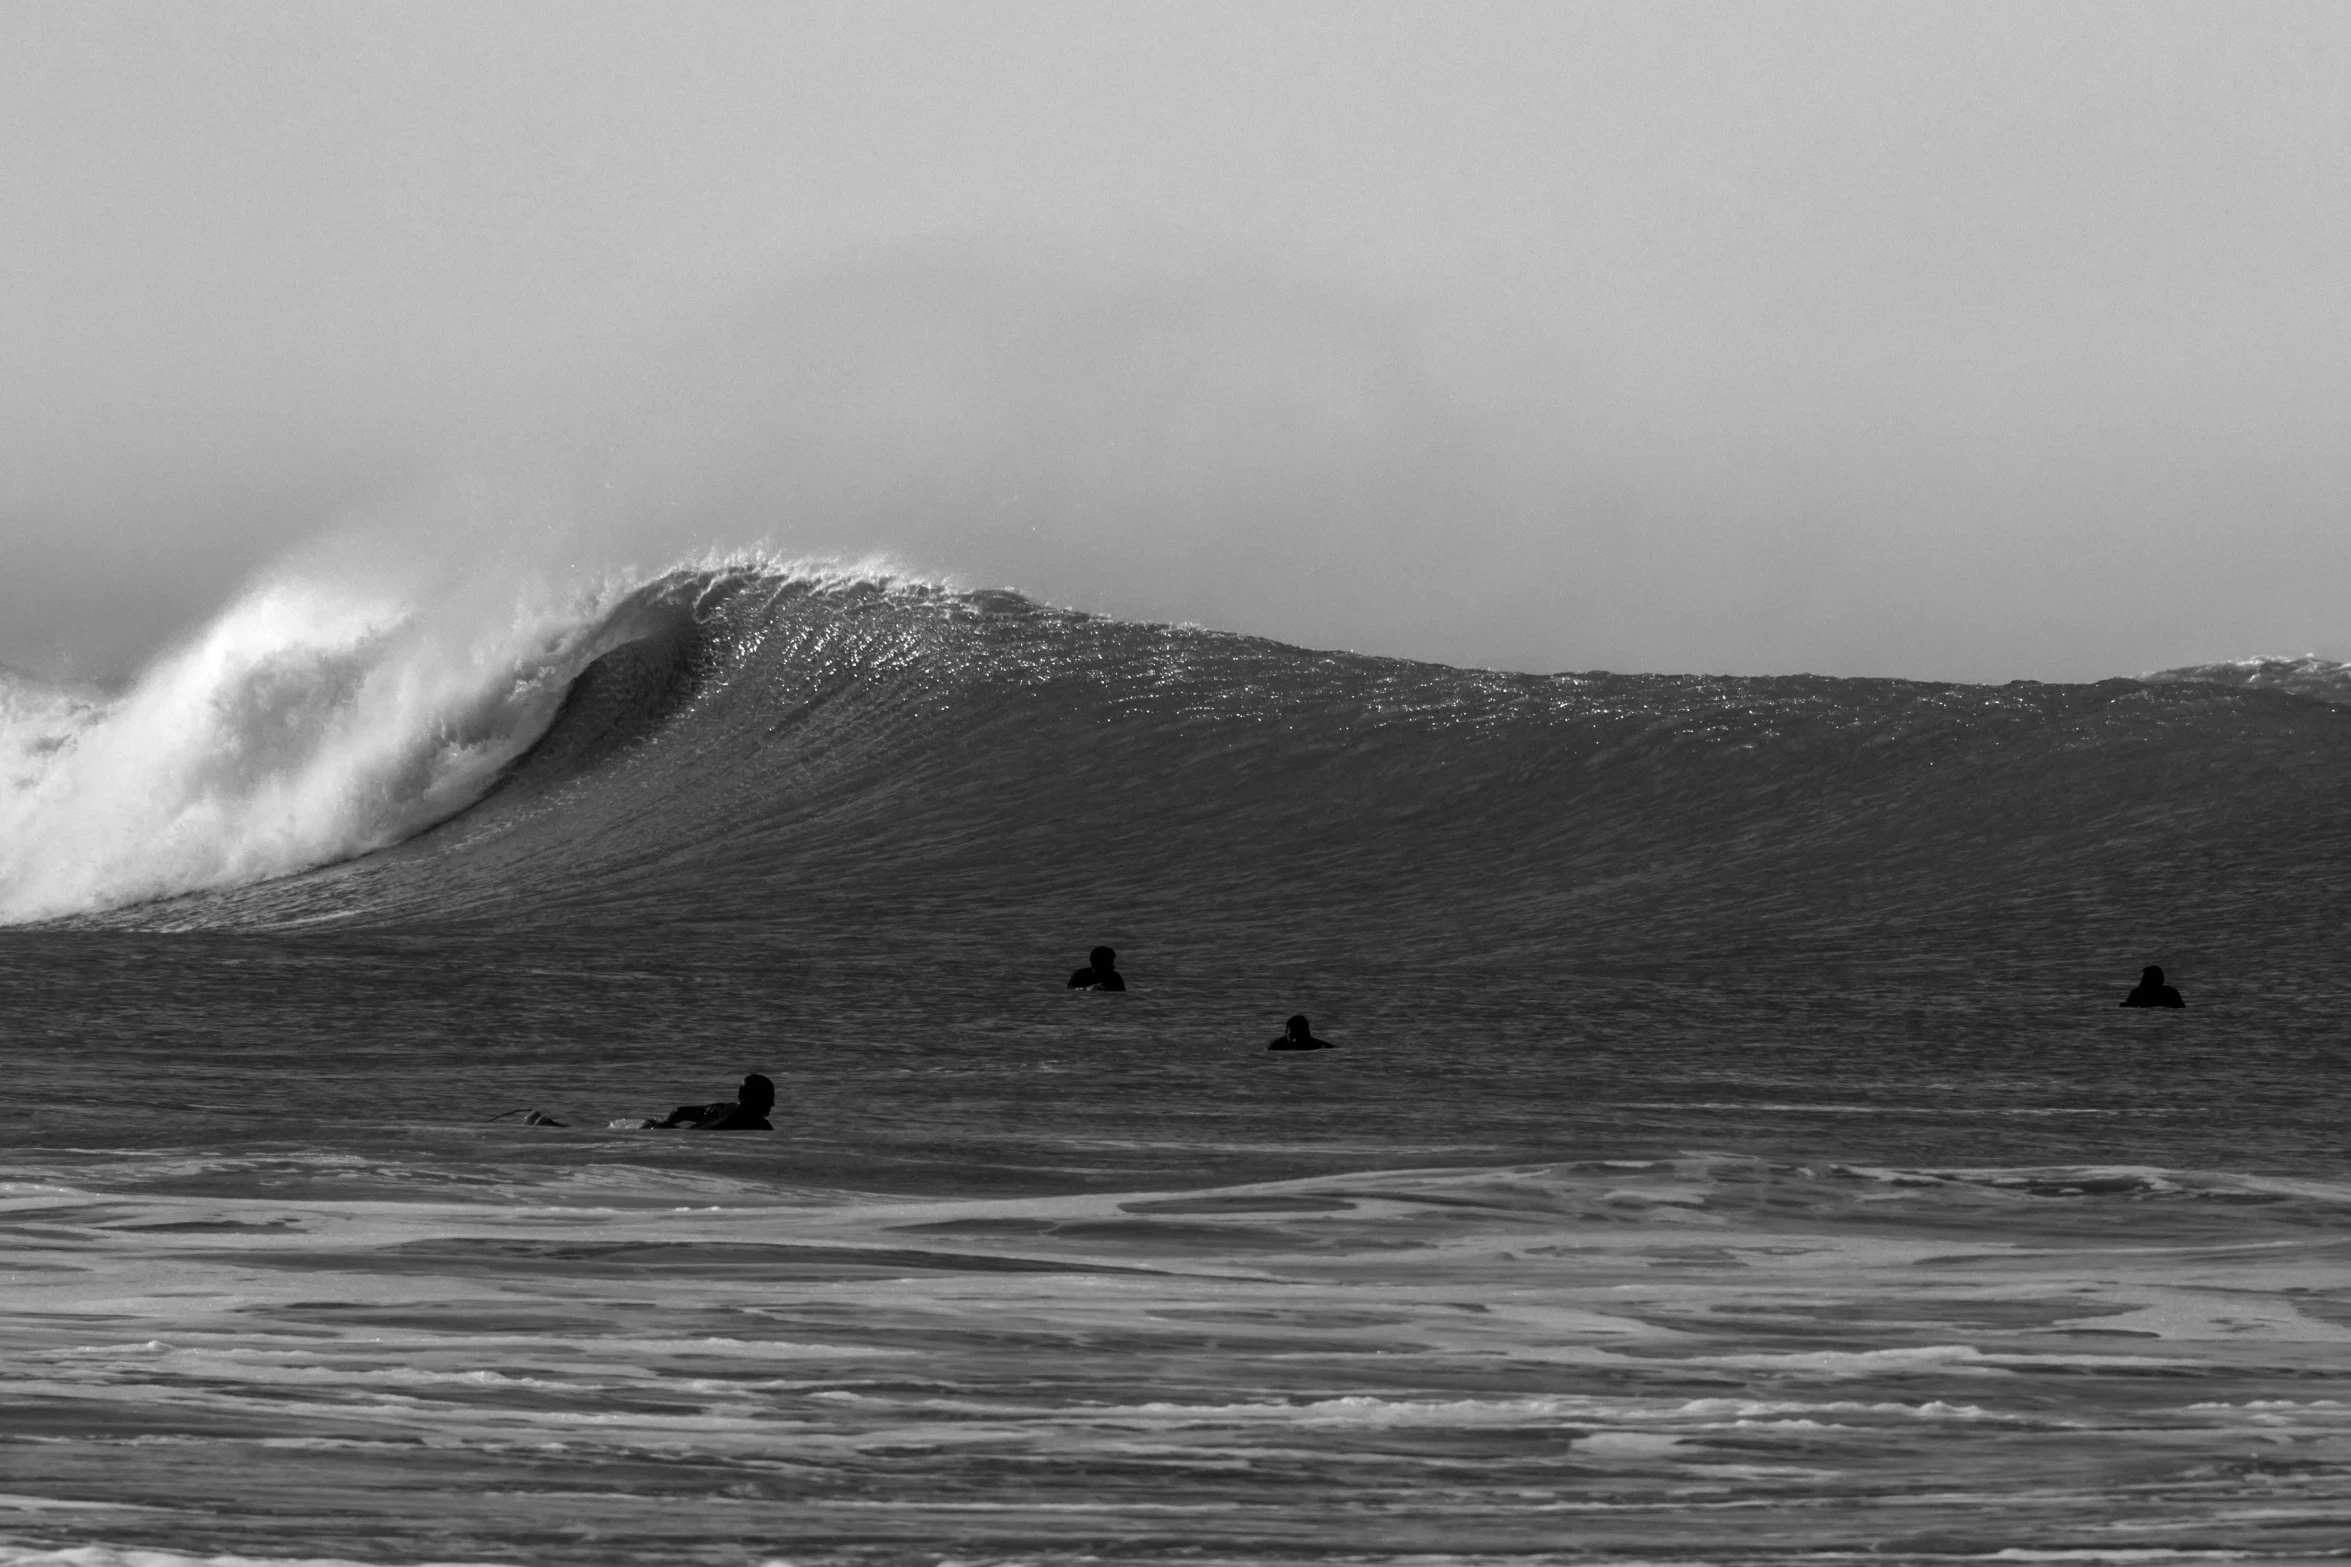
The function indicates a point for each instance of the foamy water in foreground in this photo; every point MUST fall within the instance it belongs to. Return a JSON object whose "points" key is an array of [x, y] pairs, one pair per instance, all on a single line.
{"points": [[1701, 1358]]}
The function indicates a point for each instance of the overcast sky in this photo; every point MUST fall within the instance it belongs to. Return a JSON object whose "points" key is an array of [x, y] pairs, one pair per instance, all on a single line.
{"points": [[1973, 341]]}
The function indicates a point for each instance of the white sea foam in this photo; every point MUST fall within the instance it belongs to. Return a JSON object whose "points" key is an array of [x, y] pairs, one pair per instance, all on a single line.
{"points": [[321, 716], [111, 1556], [349, 701], [1367, 1410]]}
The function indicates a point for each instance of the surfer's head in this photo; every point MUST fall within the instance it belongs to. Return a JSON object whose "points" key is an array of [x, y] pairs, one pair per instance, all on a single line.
{"points": [[757, 1093], [2151, 975], [1102, 960], [1297, 1028]]}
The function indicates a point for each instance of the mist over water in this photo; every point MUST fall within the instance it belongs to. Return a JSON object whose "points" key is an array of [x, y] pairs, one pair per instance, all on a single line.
{"points": [[1204, 436], [1146, 438], [1936, 343], [1181, 437], [1173, 438]]}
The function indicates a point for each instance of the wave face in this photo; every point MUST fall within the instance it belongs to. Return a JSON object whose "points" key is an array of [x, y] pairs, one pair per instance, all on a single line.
{"points": [[768, 748]]}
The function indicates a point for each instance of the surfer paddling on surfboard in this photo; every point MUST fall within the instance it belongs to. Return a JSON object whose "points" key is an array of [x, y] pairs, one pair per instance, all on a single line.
{"points": [[746, 1112]]}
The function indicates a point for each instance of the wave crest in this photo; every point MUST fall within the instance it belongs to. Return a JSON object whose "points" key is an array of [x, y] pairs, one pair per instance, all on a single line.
{"points": [[310, 722]]}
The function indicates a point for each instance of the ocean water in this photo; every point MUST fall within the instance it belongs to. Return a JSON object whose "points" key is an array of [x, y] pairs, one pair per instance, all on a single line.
{"points": [[1734, 1152]]}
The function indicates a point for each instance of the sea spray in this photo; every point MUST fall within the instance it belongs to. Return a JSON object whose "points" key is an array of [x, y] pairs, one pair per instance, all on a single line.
{"points": [[318, 717]]}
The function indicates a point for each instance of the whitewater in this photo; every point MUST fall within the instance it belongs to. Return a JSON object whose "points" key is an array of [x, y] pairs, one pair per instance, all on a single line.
{"points": [[1734, 1151]]}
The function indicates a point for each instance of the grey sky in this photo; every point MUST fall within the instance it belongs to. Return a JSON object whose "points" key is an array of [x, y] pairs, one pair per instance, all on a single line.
{"points": [[1981, 341]]}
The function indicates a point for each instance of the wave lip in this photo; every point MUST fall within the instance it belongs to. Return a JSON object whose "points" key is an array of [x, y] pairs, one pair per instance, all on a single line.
{"points": [[311, 722], [317, 722]]}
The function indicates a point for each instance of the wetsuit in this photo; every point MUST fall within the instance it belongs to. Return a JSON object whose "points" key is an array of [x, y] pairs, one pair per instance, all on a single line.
{"points": [[1097, 979], [726, 1116]]}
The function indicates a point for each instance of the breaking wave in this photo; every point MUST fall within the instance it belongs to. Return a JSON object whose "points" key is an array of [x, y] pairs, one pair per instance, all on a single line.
{"points": [[312, 722], [751, 741]]}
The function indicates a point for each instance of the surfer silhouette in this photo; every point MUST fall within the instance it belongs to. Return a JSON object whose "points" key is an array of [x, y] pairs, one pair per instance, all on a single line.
{"points": [[1297, 1035], [2152, 991], [746, 1112], [1100, 973]]}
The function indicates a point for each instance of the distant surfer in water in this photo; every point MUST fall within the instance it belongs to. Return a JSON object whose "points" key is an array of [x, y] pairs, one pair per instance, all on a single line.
{"points": [[1100, 973], [1297, 1035], [746, 1112], [2152, 991]]}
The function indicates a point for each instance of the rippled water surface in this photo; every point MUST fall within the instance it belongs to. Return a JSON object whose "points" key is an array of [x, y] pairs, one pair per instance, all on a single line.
{"points": [[1734, 1152]]}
